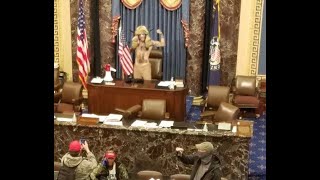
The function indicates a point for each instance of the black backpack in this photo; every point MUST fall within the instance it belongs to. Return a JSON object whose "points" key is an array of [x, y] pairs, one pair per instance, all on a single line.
{"points": [[67, 173]]}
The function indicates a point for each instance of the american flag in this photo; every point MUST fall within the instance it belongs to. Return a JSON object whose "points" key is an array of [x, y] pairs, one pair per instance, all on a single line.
{"points": [[125, 56], [82, 47]]}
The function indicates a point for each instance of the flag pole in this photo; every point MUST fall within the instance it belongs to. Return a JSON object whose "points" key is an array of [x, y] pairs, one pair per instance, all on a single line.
{"points": [[119, 39]]}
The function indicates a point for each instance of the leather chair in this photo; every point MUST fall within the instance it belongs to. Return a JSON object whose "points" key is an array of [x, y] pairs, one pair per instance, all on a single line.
{"points": [[70, 98], [154, 109], [226, 112], [246, 94], [147, 175], [216, 95], [180, 177], [57, 84], [155, 59]]}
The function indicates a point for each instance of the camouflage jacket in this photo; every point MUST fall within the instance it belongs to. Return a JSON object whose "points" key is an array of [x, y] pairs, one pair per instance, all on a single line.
{"points": [[85, 165], [102, 171]]}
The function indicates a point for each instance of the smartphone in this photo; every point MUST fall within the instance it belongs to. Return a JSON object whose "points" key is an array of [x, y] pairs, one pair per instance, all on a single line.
{"points": [[82, 140]]}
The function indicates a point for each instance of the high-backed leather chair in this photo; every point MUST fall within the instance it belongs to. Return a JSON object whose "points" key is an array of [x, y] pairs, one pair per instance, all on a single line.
{"points": [[70, 98], [155, 59], [246, 93], [154, 109], [180, 177], [147, 175], [216, 95]]}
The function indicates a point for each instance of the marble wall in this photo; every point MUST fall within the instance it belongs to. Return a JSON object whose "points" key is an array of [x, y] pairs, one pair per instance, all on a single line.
{"points": [[154, 149], [229, 21]]}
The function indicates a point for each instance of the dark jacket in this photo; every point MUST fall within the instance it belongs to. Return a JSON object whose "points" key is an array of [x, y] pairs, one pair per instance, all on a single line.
{"points": [[214, 171]]}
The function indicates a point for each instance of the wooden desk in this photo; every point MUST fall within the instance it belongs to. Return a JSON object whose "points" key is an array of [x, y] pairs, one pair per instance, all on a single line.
{"points": [[103, 99]]}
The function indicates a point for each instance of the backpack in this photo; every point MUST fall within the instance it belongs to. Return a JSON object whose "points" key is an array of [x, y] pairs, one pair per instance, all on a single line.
{"points": [[67, 173]]}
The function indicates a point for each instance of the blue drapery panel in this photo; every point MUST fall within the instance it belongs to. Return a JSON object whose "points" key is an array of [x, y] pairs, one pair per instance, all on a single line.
{"points": [[151, 14]]}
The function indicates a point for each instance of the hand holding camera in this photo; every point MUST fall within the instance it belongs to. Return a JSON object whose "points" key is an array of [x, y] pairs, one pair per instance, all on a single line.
{"points": [[84, 145]]}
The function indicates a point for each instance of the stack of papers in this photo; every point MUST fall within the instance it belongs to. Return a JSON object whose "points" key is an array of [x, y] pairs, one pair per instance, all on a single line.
{"points": [[97, 80], [166, 123], [113, 119], [139, 123], [151, 125], [164, 83]]}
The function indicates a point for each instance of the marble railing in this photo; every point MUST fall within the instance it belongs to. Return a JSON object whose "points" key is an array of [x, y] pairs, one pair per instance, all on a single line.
{"points": [[154, 149]]}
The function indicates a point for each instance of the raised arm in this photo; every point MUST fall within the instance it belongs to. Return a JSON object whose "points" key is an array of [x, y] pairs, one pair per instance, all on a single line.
{"points": [[160, 43]]}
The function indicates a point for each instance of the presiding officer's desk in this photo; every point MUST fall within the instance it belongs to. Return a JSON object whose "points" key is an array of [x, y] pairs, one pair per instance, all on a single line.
{"points": [[140, 148], [103, 99]]}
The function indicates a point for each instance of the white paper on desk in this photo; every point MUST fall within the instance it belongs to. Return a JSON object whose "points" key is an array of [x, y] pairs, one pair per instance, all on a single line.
{"points": [[138, 123], [64, 119], [164, 83], [113, 123], [97, 80], [224, 126], [151, 125], [114, 117], [164, 123]]}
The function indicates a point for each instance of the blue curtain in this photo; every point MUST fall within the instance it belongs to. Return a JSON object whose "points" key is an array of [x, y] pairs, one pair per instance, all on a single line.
{"points": [[151, 14]]}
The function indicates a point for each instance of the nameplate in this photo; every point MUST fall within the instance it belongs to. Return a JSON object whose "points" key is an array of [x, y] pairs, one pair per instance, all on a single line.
{"points": [[87, 120]]}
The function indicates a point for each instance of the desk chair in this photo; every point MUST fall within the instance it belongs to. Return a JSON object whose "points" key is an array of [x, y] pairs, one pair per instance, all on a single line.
{"points": [[155, 59], [246, 94], [147, 175], [154, 109], [225, 113], [70, 98], [180, 177], [216, 95]]}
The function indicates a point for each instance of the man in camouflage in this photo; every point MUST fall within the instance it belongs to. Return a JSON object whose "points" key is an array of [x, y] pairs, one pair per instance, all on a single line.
{"points": [[109, 169], [84, 165]]}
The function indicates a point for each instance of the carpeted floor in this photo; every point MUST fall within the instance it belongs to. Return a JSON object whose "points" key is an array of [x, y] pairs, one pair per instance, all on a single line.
{"points": [[257, 161]]}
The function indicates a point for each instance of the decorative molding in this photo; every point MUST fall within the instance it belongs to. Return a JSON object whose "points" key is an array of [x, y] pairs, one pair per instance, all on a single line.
{"points": [[186, 31], [131, 4], [171, 5], [56, 32], [255, 36], [61, 33], [115, 25]]}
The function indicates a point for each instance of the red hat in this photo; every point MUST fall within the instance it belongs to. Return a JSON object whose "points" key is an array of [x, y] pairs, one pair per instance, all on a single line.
{"points": [[110, 155], [75, 146]]}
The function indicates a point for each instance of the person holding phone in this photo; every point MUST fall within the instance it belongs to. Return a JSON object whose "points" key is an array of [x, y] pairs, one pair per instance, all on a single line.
{"points": [[110, 169], [73, 159], [206, 163]]}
